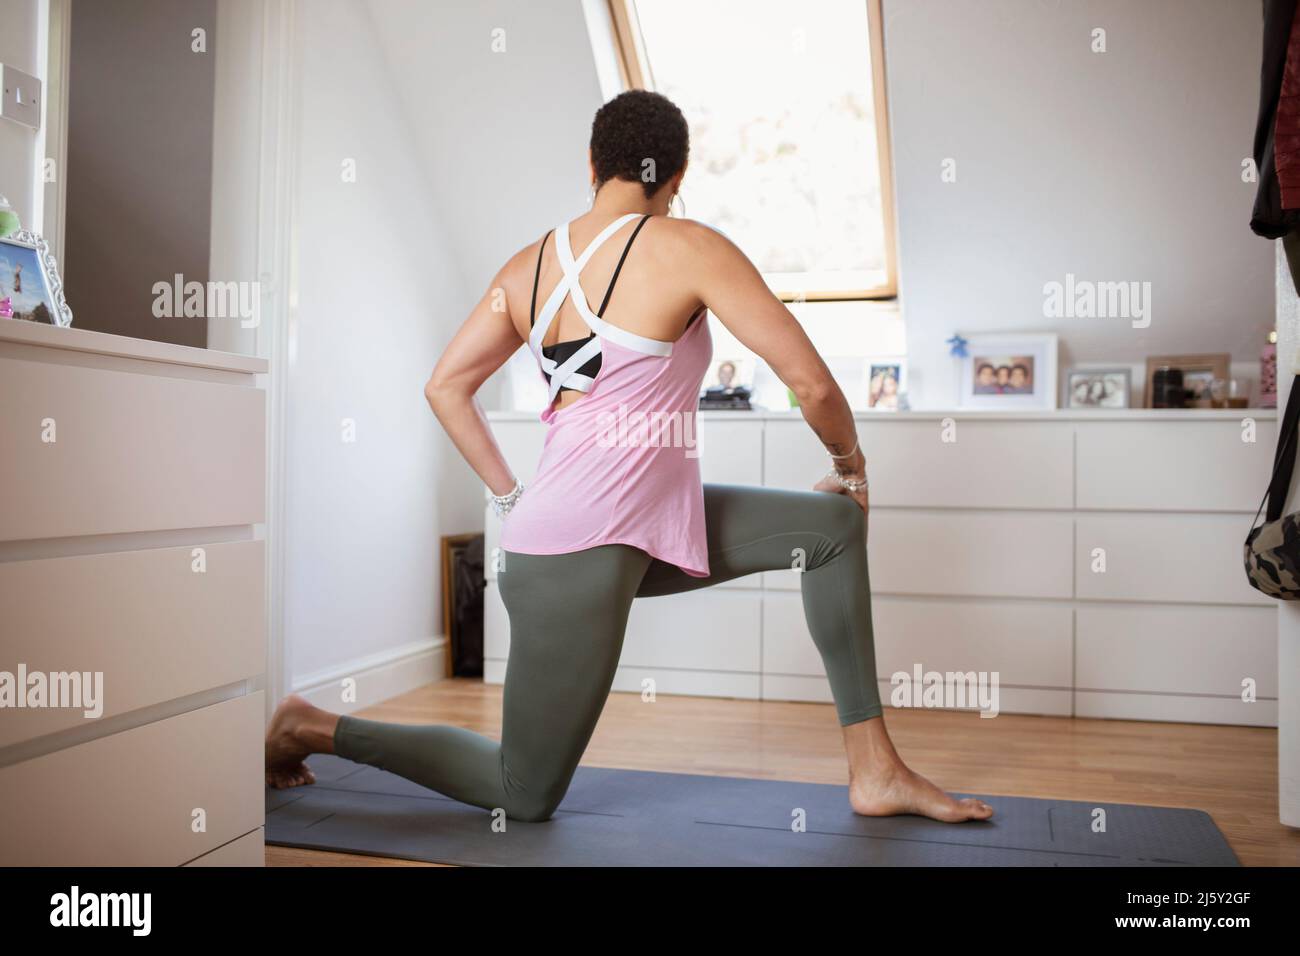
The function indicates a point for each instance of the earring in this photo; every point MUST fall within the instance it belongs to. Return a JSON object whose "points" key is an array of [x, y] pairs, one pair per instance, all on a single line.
{"points": [[677, 198], [591, 196]]}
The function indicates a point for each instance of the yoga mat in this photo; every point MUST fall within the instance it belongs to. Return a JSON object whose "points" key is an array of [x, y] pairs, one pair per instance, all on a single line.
{"points": [[637, 818]]}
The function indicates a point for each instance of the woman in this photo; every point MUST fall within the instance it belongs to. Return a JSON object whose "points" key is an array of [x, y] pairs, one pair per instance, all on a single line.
{"points": [[616, 510]]}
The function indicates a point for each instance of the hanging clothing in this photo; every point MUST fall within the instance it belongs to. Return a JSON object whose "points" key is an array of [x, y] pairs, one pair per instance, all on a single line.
{"points": [[1277, 130]]}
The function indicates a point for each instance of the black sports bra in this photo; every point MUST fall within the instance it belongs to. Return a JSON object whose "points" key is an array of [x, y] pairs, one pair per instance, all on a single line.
{"points": [[560, 352]]}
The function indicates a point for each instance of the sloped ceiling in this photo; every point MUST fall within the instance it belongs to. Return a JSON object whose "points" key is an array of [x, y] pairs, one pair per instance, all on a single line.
{"points": [[502, 135]]}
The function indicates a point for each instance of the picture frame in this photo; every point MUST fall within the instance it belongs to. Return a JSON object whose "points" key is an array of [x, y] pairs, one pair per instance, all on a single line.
{"points": [[1198, 371], [729, 383], [31, 289], [1098, 388], [1012, 371], [728, 372], [886, 382]]}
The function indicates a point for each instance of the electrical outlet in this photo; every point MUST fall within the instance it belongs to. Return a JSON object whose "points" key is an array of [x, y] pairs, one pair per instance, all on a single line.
{"points": [[20, 97]]}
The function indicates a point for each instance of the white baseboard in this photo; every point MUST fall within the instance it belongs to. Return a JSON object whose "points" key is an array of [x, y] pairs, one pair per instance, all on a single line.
{"points": [[379, 677]]}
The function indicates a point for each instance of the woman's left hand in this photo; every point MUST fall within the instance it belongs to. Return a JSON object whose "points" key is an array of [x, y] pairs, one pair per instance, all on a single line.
{"points": [[829, 484]]}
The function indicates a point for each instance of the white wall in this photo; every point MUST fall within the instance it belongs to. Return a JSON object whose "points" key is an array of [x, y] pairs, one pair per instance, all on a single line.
{"points": [[1113, 166], [502, 136], [378, 296], [19, 28]]}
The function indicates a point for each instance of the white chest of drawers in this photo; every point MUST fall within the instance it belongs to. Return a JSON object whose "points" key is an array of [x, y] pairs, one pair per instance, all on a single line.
{"points": [[1091, 559], [132, 476]]}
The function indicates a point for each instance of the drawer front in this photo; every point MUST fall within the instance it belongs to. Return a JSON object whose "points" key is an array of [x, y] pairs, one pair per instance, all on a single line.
{"points": [[713, 629], [1177, 650], [1175, 708], [631, 679], [248, 850], [1173, 466], [1155, 557], [731, 452], [911, 465], [1004, 554], [1025, 644], [1011, 700], [131, 452], [1007, 554], [146, 620], [129, 799], [795, 459]]}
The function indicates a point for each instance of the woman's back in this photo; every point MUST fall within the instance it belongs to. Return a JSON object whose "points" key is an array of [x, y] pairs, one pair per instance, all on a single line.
{"points": [[620, 460], [646, 301]]}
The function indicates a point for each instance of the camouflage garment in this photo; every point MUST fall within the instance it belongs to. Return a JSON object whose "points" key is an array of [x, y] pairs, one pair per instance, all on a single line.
{"points": [[1273, 558]]}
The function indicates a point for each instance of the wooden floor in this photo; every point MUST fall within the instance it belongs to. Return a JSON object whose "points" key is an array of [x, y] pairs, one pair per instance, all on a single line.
{"points": [[1231, 772]]}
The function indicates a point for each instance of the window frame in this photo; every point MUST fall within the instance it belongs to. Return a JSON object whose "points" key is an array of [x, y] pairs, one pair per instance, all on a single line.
{"points": [[635, 73]]}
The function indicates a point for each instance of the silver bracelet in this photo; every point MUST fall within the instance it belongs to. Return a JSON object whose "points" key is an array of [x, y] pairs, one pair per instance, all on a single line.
{"points": [[849, 484], [848, 455], [502, 504]]}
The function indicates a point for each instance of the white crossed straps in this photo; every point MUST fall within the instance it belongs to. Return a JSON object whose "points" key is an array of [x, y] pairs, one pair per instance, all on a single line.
{"points": [[566, 374]]}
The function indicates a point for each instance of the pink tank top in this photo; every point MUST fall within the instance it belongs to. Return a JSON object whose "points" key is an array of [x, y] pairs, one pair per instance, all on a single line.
{"points": [[621, 464]]}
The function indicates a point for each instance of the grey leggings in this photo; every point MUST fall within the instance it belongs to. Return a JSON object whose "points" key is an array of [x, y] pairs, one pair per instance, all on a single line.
{"points": [[567, 617]]}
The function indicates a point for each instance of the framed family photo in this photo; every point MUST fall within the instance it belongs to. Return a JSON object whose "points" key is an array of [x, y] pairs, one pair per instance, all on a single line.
{"points": [[1012, 371], [30, 287], [1097, 388]]}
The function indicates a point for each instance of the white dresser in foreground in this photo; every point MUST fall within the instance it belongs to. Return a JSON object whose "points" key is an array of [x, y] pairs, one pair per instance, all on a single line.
{"points": [[1092, 560], [132, 474]]}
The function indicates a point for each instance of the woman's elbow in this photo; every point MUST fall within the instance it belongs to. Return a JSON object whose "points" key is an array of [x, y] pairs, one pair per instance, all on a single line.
{"points": [[815, 391]]}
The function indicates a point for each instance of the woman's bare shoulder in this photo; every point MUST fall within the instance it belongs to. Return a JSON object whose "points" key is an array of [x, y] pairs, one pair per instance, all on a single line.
{"points": [[687, 240], [517, 271]]}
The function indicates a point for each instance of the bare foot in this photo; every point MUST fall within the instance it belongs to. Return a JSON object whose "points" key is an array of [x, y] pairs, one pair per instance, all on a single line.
{"points": [[902, 790], [285, 751]]}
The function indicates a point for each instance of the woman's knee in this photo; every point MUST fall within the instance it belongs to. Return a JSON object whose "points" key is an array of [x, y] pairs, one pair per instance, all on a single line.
{"points": [[531, 808], [840, 518], [534, 788]]}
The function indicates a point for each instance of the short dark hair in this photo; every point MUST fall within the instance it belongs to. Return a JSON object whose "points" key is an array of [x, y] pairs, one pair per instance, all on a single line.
{"points": [[634, 127]]}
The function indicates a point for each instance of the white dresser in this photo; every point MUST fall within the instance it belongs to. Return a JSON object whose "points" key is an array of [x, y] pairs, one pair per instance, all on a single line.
{"points": [[132, 474], [1092, 560]]}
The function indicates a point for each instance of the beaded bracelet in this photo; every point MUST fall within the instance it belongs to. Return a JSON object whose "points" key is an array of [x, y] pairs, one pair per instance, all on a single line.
{"points": [[849, 484], [502, 504]]}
